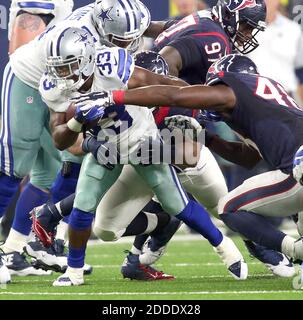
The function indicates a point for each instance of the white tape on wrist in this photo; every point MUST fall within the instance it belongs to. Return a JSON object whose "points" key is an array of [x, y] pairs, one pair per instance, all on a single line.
{"points": [[74, 125]]}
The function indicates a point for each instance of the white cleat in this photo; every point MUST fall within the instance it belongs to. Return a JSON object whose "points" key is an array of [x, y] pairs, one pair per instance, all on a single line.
{"points": [[298, 249], [46, 258], [284, 269], [149, 257], [18, 265], [70, 278], [5, 276], [232, 258]]}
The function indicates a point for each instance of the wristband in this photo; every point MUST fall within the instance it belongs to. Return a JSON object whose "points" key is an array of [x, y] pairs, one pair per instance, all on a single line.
{"points": [[74, 125], [118, 97]]}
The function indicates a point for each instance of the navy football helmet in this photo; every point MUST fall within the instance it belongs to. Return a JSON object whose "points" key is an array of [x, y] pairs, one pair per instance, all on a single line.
{"points": [[151, 61], [230, 63], [242, 20]]}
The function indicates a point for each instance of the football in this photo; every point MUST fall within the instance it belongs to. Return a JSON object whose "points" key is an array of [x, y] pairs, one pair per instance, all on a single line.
{"points": [[70, 112]]}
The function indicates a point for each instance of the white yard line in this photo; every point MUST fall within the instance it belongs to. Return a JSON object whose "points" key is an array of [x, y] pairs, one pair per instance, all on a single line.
{"points": [[264, 275], [177, 237], [149, 293], [206, 264]]}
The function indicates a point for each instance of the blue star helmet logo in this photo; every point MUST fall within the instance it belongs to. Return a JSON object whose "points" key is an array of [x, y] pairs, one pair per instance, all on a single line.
{"points": [[104, 15], [82, 37]]}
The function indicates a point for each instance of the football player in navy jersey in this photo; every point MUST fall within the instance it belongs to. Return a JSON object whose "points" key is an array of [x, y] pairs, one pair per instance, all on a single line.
{"points": [[190, 46], [270, 123]]}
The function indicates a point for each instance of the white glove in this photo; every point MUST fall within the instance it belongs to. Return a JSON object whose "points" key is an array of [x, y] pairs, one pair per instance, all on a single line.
{"points": [[190, 127], [298, 165], [104, 99]]}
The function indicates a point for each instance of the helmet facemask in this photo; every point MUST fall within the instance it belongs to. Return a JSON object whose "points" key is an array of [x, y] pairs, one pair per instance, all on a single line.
{"points": [[245, 39], [242, 26]]}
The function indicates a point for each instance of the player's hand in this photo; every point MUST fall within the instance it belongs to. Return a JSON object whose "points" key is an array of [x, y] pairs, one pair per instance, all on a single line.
{"points": [[190, 127], [86, 113], [104, 152], [104, 98], [298, 166], [209, 116]]}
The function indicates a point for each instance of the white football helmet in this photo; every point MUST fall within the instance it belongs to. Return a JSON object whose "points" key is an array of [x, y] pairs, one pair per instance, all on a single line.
{"points": [[70, 58], [145, 22], [118, 21]]}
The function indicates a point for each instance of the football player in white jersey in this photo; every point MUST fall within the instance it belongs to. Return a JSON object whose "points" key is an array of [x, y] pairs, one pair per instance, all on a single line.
{"points": [[27, 20], [71, 70], [21, 150]]}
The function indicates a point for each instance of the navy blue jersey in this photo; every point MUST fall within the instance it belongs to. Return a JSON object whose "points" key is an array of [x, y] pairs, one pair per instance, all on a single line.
{"points": [[265, 114], [200, 42]]}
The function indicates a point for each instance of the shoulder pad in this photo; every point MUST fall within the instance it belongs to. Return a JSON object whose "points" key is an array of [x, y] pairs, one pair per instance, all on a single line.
{"points": [[115, 63]]}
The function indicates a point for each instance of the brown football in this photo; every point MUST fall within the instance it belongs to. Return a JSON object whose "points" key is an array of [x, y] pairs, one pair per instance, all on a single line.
{"points": [[70, 112]]}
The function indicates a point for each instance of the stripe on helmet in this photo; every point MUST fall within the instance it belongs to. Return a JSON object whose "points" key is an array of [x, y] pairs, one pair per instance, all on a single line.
{"points": [[59, 41], [133, 13], [126, 14]]}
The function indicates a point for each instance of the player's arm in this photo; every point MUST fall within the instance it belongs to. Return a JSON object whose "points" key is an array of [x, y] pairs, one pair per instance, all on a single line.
{"points": [[219, 98], [28, 18], [142, 77], [157, 27], [173, 58], [63, 136], [236, 152], [26, 27]]}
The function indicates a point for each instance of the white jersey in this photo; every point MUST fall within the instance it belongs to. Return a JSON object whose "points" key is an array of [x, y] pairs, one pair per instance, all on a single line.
{"points": [[121, 125], [28, 62], [58, 8]]}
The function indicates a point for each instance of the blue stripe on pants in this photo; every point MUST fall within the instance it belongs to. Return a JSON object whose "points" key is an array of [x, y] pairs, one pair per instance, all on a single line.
{"points": [[259, 193]]}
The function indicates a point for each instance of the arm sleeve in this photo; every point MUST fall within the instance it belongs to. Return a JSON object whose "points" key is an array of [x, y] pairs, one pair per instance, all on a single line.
{"points": [[189, 51], [205, 47]]}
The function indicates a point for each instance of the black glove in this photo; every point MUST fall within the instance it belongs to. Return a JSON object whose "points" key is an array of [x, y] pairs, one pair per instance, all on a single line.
{"points": [[104, 152]]}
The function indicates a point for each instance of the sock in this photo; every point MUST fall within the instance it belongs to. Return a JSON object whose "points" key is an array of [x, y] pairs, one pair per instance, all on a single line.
{"points": [[151, 207], [65, 206], [146, 222], [15, 242], [197, 218], [254, 227], [137, 247], [61, 230], [8, 188], [29, 198], [66, 181], [288, 246], [76, 257], [79, 232], [75, 271], [162, 236]]}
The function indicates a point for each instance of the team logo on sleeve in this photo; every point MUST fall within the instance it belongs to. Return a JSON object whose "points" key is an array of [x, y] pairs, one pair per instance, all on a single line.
{"points": [[235, 5]]}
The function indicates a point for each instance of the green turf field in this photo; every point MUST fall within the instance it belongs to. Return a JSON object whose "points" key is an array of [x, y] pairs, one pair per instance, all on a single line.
{"points": [[199, 275]]}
